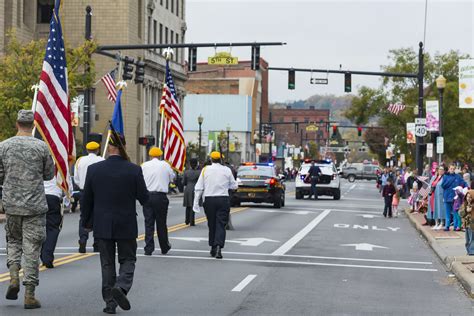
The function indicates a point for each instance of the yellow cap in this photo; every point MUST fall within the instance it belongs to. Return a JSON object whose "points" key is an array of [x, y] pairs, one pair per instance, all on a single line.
{"points": [[155, 152], [92, 146], [215, 155]]}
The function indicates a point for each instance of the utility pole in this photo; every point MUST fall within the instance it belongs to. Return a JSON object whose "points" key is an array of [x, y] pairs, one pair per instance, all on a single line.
{"points": [[421, 112], [87, 92]]}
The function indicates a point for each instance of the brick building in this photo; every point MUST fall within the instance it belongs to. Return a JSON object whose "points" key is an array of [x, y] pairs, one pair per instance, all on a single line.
{"points": [[113, 22], [297, 134]]}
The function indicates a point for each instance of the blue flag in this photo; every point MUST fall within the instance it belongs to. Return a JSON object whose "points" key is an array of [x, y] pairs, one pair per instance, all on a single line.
{"points": [[117, 119]]}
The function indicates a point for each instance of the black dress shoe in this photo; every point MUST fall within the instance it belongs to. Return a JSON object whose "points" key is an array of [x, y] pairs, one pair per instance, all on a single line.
{"points": [[165, 251], [82, 247], [48, 265], [109, 310], [218, 252], [96, 248], [213, 252], [193, 224], [120, 298]]}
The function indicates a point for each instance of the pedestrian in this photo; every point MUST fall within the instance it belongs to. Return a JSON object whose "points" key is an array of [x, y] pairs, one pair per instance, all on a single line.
{"points": [[388, 193], [396, 201], [158, 175], [437, 190], [80, 173], [190, 178], [54, 220], [313, 175], [467, 214], [214, 184], [450, 181], [109, 209], [25, 162]]}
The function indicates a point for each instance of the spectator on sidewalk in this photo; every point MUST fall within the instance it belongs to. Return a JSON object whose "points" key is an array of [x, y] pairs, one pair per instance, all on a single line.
{"points": [[467, 214], [437, 190], [450, 181]]}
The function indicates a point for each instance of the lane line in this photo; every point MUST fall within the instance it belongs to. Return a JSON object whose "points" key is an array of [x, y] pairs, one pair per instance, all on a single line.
{"points": [[294, 263], [294, 256], [316, 210], [249, 278], [301, 234]]}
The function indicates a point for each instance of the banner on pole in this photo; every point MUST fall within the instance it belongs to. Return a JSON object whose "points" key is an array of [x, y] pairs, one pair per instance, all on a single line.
{"points": [[432, 116], [466, 83], [411, 133]]}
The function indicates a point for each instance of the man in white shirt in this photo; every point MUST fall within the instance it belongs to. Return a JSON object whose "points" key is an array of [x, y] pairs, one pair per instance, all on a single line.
{"points": [[80, 172], [54, 219], [214, 184], [158, 174]]}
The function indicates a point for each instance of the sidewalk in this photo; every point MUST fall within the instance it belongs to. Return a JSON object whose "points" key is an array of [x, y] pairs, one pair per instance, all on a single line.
{"points": [[449, 246]]}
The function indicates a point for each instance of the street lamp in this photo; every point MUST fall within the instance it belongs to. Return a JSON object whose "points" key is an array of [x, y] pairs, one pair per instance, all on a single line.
{"points": [[228, 142], [200, 120], [440, 84]]}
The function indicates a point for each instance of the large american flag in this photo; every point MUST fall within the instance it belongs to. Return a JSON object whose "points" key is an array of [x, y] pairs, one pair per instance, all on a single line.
{"points": [[109, 82], [174, 148], [396, 108], [53, 112]]}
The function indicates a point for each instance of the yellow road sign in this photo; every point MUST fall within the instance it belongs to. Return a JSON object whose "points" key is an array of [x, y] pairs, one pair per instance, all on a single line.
{"points": [[222, 58], [311, 128]]}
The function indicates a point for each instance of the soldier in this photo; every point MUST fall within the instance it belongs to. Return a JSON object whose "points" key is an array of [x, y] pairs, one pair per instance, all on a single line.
{"points": [[214, 184], [109, 208], [80, 172], [25, 162], [158, 174]]}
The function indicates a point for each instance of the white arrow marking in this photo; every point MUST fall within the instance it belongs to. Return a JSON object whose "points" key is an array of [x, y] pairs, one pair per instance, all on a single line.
{"points": [[364, 246], [252, 241], [368, 216], [195, 239], [286, 212]]}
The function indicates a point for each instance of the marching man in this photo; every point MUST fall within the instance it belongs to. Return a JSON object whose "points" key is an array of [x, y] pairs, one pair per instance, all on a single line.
{"points": [[214, 184], [80, 172]]}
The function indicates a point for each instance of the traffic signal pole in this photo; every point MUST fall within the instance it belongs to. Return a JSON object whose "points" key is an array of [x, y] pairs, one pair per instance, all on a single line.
{"points": [[86, 127]]}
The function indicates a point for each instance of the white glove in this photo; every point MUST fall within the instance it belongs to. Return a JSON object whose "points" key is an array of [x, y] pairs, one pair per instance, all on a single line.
{"points": [[66, 202], [196, 208]]}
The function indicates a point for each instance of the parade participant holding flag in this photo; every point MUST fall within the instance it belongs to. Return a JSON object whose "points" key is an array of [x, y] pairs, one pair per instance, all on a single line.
{"points": [[214, 184]]}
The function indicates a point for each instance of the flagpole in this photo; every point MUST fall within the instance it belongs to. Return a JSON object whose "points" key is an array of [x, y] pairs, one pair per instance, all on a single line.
{"points": [[35, 100], [168, 54], [121, 84]]}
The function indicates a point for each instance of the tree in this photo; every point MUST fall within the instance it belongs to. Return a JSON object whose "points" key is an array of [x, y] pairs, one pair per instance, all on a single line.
{"points": [[371, 104], [21, 68]]}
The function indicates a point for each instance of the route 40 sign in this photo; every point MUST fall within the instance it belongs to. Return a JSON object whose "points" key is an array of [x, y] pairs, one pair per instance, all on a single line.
{"points": [[420, 127]]}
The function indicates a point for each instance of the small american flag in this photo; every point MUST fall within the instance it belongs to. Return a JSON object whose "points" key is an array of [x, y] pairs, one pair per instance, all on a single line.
{"points": [[53, 111], [109, 83], [174, 147], [396, 108], [424, 190]]}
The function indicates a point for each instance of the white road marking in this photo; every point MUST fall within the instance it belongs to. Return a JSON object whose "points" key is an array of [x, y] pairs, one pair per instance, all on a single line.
{"points": [[249, 278], [363, 246], [301, 234], [369, 216], [292, 263], [349, 190], [284, 212], [316, 210], [360, 199], [252, 242]]}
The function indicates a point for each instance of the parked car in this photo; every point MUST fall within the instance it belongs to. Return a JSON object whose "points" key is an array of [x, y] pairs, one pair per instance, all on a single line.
{"points": [[360, 171], [328, 183]]}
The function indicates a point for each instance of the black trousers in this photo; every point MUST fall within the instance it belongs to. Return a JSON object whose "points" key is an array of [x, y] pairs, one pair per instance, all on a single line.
{"points": [[83, 234], [127, 256], [53, 227], [314, 181], [217, 211], [189, 215], [388, 206], [155, 211]]}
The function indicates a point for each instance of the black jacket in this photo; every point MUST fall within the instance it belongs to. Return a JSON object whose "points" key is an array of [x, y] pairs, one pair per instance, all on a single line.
{"points": [[108, 204]]}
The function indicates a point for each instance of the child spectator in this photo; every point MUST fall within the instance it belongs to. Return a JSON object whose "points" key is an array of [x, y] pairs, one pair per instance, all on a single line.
{"points": [[387, 193], [395, 201]]}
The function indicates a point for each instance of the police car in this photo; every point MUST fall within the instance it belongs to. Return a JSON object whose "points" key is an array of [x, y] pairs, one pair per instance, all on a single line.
{"points": [[259, 183], [328, 184]]}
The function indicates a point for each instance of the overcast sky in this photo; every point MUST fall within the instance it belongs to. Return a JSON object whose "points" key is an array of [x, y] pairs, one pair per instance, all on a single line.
{"points": [[324, 34]]}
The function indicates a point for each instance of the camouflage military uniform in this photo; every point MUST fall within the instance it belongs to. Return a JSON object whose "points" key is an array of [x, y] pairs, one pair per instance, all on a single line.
{"points": [[25, 163]]}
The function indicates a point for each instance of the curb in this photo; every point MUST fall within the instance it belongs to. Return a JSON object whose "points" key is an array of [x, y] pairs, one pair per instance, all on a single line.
{"points": [[454, 264]]}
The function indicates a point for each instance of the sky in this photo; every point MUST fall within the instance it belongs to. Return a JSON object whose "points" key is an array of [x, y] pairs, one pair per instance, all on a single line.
{"points": [[356, 34]]}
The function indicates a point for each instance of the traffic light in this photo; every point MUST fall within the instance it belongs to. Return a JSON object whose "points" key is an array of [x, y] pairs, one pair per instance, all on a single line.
{"points": [[334, 131], [291, 80], [192, 58], [359, 131], [255, 58], [127, 68], [347, 82], [297, 127], [139, 72]]}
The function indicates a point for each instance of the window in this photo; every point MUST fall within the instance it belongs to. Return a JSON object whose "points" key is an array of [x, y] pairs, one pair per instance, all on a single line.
{"points": [[166, 36], [140, 17], [177, 7], [161, 34], [172, 6], [306, 119], [154, 32], [149, 30], [177, 49], [44, 11], [167, 4], [161, 2], [171, 37]]}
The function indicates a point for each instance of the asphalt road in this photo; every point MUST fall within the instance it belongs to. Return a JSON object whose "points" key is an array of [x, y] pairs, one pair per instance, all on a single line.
{"points": [[320, 257]]}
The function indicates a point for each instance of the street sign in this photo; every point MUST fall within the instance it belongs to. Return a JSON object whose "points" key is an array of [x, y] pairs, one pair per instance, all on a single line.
{"points": [[319, 81], [335, 149], [222, 58], [420, 121], [429, 150], [420, 130], [440, 145], [311, 128]]}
